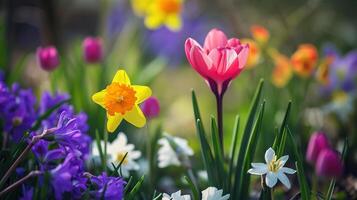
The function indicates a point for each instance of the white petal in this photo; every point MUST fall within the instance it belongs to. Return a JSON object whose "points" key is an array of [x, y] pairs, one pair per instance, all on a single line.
{"points": [[258, 169], [283, 159], [269, 155], [271, 179], [284, 179], [212, 193], [287, 170]]}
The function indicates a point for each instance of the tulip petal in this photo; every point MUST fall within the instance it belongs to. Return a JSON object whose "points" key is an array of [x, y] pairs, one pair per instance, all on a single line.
{"points": [[269, 155], [113, 122], [189, 43], [284, 179], [271, 179], [200, 61], [121, 77], [243, 56], [135, 117], [99, 97], [214, 39], [142, 93]]}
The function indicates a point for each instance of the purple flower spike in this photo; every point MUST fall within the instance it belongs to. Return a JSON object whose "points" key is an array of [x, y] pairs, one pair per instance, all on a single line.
{"points": [[329, 164], [113, 187], [318, 142]]}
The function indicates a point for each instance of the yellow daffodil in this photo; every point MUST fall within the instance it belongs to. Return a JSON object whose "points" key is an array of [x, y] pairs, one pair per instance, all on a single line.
{"points": [[120, 99], [160, 12]]}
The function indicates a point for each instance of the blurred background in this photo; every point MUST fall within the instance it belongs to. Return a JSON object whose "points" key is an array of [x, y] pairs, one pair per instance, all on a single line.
{"points": [[157, 58]]}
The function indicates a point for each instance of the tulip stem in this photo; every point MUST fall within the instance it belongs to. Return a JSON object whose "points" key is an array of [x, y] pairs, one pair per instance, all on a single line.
{"points": [[219, 100]]}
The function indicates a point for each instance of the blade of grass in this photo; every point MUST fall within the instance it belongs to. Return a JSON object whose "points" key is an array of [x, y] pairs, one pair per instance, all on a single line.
{"points": [[135, 189], [233, 150], [193, 188], [245, 138], [278, 137]]}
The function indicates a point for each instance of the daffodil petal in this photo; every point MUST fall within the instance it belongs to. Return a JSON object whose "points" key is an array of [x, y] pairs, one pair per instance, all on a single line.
{"points": [[121, 77], [142, 93], [153, 21], [99, 98], [135, 117], [113, 122], [173, 22]]}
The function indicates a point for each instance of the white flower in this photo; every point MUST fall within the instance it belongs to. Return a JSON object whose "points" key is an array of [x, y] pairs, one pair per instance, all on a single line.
{"points": [[274, 169], [176, 196], [212, 193], [167, 155], [116, 152]]}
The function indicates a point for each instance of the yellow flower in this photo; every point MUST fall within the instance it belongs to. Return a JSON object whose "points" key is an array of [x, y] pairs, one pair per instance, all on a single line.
{"points": [[304, 60], [260, 33], [282, 71], [323, 70], [254, 53], [120, 99], [160, 12]]}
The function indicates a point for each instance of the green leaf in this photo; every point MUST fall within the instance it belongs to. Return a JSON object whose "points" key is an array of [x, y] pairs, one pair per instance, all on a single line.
{"points": [[245, 139], [243, 191], [128, 185], [265, 193], [192, 187], [218, 154], [333, 181], [16, 73], [135, 189], [101, 155], [305, 191], [149, 73], [233, 150], [282, 145], [278, 137], [45, 115]]}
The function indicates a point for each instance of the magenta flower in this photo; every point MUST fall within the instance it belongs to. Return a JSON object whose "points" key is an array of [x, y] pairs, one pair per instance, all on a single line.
{"points": [[219, 60], [48, 58], [318, 142], [92, 49], [329, 164], [151, 107]]}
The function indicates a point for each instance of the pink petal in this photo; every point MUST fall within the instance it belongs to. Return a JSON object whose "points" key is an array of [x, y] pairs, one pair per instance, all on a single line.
{"points": [[243, 56], [214, 39], [200, 61], [233, 42]]}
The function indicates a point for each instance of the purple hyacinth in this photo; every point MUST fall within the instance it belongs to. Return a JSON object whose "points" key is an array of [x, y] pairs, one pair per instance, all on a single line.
{"points": [[27, 194], [112, 186], [17, 110]]}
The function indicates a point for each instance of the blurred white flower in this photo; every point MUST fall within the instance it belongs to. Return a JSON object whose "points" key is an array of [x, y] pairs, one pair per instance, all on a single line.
{"points": [[176, 196], [202, 174], [170, 154], [116, 152], [274, 169], [212, 193]]}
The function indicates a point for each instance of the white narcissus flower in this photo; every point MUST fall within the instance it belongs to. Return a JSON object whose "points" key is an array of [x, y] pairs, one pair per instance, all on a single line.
{"points": [[116, 152], [168, 155], [176, 196], [212, 193], [274, 169]]}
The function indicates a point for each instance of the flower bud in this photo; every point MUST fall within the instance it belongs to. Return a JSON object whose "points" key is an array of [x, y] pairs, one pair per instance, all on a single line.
{"points": [[318, 142], [47, 58], [92, 49], [151, 107], [329, 164]]}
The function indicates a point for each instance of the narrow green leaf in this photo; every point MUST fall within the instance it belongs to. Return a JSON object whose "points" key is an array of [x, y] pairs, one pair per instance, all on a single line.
{"points": [[217, 149], [128, 185], [305, 191], [252, 144], [233, 150], [333, 181], [282, 144], [193, 188], [45, 115], [99, 145], [245, 139], [135, 189], [278, 137]]}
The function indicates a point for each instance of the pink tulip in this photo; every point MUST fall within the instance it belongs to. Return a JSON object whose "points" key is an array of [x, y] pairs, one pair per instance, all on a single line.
{"points": [[47, 58], [318, 142], [329, 164], [151, 107], [92, 49], [219, 61]]}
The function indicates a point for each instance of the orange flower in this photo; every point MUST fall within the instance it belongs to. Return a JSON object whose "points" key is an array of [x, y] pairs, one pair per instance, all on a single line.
{"points": [[260, 33], [304, 59], [254, 53], [282, 72], [324, 69]]}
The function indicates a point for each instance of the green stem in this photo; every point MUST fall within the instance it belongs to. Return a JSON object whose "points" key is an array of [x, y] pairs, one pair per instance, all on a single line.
{"points": [[219, 101]]}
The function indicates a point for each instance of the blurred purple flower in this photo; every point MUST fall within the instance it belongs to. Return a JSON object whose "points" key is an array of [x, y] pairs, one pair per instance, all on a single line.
{"points": [[26, 193], [151, 107], [329, 164], [117, 18], [318, 142], [48, 58], [92, 49], [112, 186]]}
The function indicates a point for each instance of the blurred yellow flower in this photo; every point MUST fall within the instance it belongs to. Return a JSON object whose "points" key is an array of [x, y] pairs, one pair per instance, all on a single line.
{"points": [[282, 72], [160, 12], [120, 99], [254, 53], [304, 59], [260, 34], [323, 70]]}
